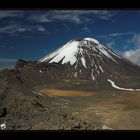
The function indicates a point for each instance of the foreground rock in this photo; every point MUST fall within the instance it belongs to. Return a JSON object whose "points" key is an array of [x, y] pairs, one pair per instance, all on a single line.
{"points": [[3, 112]]}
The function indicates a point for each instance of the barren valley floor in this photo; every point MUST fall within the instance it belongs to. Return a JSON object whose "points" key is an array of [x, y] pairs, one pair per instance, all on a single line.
{"points": [[58, 109], [116, 110]]}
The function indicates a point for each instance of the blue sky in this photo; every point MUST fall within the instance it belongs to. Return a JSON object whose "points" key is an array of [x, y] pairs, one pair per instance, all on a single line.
{"points": [[31, 34]]}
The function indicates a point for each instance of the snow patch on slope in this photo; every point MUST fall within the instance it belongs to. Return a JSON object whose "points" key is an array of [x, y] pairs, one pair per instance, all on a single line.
{"points": [[115, 86], [102, 49], [67, 52], [114, 54], [38, 93], [93, 78], [55, 53], [101, 69], [83, 62], [40, 71], [106, 128], [75, 74]]}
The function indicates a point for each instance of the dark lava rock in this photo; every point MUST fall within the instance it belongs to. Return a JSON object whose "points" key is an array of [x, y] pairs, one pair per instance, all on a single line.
{"points": [[3, 112], [76, 126]]}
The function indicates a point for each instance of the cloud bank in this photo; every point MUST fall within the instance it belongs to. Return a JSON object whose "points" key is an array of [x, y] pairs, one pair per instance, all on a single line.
{"points": [[134, 54]]}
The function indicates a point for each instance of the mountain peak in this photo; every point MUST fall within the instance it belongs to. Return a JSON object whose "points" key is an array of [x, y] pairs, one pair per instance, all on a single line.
{"points": [[85, 54], [91, 39], [86, 39], [77, 49]]}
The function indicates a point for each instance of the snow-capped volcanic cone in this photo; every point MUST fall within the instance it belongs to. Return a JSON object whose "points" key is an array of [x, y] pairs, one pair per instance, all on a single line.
{"points": [[88, 59], [84, 62], [78, 50]]}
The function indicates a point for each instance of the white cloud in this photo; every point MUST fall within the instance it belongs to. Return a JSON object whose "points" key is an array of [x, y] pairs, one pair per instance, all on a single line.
{"points": [[136, 40], [7, 13], [39, 18], [14, 29], [86, 29], [11, 14], [21, 29], [41, 29], [116, 34], [110, 44], [134, 54], [120, 34], [74, 16]]}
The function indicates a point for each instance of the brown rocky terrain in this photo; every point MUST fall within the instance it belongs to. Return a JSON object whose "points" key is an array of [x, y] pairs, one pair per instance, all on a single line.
{"points": [[75, 95]]}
